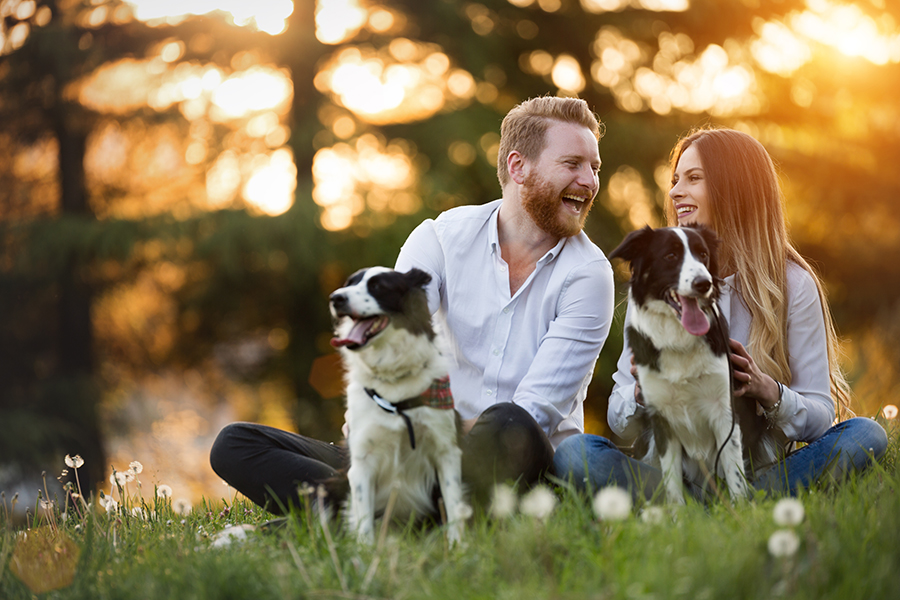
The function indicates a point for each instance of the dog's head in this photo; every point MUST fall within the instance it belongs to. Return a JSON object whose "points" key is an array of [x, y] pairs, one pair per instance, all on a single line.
{"points": [[676, 266], [375, 300]]}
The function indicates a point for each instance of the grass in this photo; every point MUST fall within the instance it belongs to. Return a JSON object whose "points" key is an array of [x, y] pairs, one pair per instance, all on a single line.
{"points": [[849, 548]]}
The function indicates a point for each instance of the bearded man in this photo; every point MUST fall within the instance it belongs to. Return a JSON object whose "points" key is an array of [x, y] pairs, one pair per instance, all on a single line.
{"points": [[524, 298]]}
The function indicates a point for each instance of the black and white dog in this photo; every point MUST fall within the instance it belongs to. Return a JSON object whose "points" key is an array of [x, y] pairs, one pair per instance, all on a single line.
{"points": [[403, 429], [679, 340]]}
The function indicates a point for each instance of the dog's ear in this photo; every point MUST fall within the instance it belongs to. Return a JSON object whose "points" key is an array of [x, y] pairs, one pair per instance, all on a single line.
{"points": [[417, 278], [632, 247], [712, 244]]}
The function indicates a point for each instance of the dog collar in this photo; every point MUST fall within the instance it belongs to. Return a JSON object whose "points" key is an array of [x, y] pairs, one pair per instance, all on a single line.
{"points": [[437, 395]]}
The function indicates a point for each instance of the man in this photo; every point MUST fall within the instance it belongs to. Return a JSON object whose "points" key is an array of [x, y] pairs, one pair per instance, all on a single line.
{"points": [[524, 298], [522, 295]]}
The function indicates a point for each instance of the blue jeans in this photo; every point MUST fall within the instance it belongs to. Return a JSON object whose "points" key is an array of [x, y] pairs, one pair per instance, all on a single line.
{"points": [[591, 462]]}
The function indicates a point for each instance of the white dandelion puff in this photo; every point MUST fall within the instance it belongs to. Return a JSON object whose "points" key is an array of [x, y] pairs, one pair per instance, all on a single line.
{"points": [[74, 462], [182, 506], [889, 411], [136, 466], [653, 515], [503, 501], [612, 504], [783, 542], [164, 491], [139, 512], [538, 503], [788, 512], [231, 534], [109, 503]]}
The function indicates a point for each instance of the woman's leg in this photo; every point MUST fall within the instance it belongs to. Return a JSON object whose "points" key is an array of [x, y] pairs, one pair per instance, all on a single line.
{"points": [[849, 446], [592, 462], [268, 465]]}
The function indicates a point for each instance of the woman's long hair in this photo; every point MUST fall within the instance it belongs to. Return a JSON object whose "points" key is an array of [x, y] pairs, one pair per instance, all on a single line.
{"points": [[747, 208]]}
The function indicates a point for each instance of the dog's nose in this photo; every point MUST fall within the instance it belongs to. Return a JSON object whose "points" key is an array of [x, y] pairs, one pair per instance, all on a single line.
{"points": [[338, 300], [701, 285]]}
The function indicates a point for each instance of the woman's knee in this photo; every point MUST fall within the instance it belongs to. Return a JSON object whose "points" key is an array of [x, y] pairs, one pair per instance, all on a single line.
{"points": [[865, 439], [230, 439]]}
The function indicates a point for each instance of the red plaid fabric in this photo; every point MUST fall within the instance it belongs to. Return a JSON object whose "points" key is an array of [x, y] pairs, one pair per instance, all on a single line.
{"points": [[438, 395]]}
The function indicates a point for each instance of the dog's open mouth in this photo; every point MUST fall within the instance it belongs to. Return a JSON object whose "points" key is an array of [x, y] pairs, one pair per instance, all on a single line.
{"points": [[363, 330], [692, 317]]}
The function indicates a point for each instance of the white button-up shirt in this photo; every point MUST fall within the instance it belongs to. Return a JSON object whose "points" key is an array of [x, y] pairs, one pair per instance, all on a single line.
{"points": [[807, 409], [537, 347]]}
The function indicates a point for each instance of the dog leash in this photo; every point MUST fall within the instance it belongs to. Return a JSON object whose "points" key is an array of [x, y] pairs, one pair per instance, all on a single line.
{"points": [[436, 396]]}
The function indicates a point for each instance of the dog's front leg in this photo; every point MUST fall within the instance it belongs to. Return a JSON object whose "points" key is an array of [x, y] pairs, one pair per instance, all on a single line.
{"points": [[449, 471], [671, 464], [362, 500], [731, 463]]}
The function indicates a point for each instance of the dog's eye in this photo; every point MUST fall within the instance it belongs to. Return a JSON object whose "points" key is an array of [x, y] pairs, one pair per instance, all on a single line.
{"points": [[704, 256], [671, 256]]}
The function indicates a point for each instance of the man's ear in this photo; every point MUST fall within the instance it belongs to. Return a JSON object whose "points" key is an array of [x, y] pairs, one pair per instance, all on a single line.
{"points": [[515, 166]]}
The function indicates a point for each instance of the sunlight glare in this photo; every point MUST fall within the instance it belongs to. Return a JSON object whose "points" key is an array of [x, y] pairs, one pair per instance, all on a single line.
{"points": [[271, 186], [337, 20], [347, 177], [269, 16]]}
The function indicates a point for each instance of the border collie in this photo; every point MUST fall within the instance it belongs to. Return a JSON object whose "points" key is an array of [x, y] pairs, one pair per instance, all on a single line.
{"points": [[403, 429], [679, 340]]}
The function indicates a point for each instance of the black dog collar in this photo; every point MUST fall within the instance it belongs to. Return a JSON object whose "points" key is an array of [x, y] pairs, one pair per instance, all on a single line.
{"points": [[436, 396]]}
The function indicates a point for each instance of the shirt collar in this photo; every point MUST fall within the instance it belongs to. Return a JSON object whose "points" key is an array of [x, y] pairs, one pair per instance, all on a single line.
{"points": [[494, 239]]}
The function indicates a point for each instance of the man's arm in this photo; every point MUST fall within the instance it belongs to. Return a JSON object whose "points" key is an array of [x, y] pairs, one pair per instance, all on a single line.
{"points": [[567, 353]]}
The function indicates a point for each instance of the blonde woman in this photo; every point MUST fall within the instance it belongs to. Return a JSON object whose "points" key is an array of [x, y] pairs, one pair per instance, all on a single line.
{"points": [[784, 347]]}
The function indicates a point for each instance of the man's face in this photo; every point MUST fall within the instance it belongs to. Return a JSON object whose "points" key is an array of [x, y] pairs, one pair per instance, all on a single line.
{"points": [[560, 186]]}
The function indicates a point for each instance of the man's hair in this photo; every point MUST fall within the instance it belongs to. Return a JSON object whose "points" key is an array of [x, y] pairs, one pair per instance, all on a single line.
{"points": [[524, 127], [747, 209]]}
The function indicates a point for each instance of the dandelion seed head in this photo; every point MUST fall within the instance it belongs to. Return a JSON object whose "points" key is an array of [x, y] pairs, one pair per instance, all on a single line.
{"points": [[788, 512], [109, 503], [74, 462], [612, 504], [164, 491], [538, 503], [139, 513], [503, 501], [129, 475], [182, 507], [653, 515], [783, 543], [889, 411], [136, 466]]}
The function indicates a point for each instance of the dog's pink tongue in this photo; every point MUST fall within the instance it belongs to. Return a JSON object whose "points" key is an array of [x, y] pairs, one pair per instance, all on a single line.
{"points": [[356, 335], [692, 318]]}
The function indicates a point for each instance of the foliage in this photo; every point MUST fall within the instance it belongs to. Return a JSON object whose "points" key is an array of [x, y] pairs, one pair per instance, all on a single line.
{"points": [[842, 543], [118, 266]]}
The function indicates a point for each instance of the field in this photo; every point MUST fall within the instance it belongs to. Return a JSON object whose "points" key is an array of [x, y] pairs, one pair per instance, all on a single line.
{"points": [[833, 542]]}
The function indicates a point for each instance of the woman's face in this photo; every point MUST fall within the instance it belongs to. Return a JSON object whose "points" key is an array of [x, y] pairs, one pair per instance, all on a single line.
{"points": [[689, 192]]}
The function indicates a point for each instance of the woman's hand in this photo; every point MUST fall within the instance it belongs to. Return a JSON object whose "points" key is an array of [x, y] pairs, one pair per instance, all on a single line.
{"points": [[638, 396], [749, 380]]}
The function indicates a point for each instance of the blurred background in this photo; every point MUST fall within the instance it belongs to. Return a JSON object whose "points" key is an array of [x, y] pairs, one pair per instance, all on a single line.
{"points": [[183, 182]]}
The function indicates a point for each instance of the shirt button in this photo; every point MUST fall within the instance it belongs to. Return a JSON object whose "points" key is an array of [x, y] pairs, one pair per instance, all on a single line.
{"points": [[502, 268], [489, 392], [496, 352], [506, 310]]}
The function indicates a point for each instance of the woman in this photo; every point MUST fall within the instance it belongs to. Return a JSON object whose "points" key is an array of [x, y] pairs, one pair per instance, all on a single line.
{"points": [[784, 346]]}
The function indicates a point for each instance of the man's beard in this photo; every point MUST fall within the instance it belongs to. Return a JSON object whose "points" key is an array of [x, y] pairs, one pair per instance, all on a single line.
{"points": [[542, 203]]}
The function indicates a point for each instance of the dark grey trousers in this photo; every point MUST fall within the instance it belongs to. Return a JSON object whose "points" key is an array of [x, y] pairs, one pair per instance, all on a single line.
{"points": [[269, 465]]}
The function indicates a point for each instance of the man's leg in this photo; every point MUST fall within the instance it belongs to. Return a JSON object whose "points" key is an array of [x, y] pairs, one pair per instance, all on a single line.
{"points": [[268, 465], [506, 445]]}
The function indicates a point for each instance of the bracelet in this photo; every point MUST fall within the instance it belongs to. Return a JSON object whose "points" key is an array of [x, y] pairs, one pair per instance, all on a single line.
{"points": [[772, 413]]}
